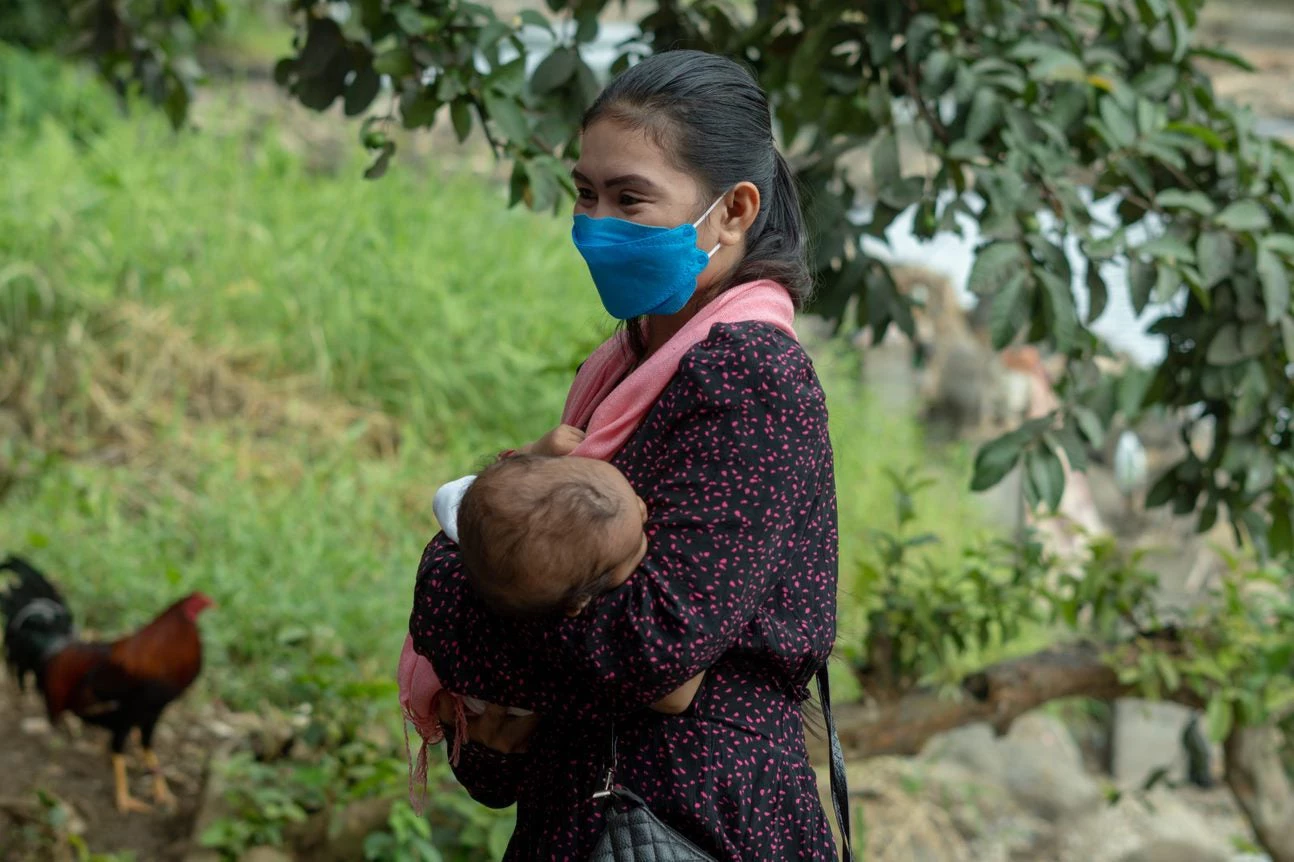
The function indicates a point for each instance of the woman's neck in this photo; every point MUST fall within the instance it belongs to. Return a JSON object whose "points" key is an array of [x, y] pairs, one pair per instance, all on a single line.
{"points": [[662, 327]]}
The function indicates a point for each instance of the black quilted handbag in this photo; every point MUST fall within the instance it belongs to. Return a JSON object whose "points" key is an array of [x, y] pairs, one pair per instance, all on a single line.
{"points": [[633, 834]]}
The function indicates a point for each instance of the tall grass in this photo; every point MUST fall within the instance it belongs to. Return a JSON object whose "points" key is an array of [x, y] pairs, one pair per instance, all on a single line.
{"points": [[422, 296]]}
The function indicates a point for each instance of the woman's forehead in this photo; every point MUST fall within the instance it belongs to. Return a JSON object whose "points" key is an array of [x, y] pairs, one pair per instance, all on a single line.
{"points": [[612, 150]]}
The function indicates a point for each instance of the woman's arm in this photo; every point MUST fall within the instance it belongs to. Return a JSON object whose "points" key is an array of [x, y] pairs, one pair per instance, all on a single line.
{"points": [[678, 700], [490, 777], [731, 463]]}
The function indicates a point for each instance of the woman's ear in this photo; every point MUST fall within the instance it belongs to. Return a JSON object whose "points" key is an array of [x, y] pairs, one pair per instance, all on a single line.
{"points": [[737, 212]]}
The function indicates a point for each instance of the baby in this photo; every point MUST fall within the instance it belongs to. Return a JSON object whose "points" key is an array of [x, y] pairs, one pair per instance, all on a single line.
{"points": [[541, 534]]}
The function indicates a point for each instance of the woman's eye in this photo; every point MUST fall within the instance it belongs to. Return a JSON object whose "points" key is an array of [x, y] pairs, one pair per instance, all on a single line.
{"points": [[629, 200], [585, 194]]}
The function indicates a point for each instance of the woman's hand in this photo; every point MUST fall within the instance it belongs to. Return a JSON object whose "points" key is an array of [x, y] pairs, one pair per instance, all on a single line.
{"points": [[494, 728], [562, 440]]}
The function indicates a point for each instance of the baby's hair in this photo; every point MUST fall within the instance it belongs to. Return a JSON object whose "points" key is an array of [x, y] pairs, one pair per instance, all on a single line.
{"points": [[524, 523]]}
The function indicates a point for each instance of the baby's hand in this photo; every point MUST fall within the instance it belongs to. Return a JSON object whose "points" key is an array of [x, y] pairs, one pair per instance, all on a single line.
{"points": [[562, 440]]}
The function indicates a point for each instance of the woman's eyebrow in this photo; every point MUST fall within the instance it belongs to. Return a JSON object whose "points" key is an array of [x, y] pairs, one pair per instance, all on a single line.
{"points": [[636, 180]]}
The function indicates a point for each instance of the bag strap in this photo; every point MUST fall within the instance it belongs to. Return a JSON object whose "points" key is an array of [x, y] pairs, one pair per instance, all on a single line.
{"points": [[839, 782]]}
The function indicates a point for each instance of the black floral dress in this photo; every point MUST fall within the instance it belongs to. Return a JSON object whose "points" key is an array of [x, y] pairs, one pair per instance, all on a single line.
{"points": [[735, 465]]}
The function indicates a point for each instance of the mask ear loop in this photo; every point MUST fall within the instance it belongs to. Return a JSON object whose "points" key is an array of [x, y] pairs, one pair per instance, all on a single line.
{"points": [[706, 215]]}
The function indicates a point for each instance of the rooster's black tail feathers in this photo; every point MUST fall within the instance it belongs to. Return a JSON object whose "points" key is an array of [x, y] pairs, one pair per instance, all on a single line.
{"points": [[36, 620]]}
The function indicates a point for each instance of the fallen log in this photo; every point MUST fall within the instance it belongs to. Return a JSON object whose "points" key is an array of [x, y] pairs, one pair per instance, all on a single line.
{"points": [[902, 723]]}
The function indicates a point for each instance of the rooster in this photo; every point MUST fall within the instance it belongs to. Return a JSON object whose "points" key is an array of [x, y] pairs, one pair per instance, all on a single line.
{"points": [[119, 685]]}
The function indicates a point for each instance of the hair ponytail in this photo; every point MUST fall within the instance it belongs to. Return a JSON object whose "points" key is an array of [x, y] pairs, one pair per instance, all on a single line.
{"points": [[776, 246]]}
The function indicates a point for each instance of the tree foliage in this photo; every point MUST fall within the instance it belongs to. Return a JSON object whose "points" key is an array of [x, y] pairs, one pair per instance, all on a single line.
{"points": [[1035, 116], [1032, 112], [139, 46], [1084, 141]]}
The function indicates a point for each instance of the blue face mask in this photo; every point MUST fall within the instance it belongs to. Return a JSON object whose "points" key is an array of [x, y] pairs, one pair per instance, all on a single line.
{"points": [[641, 269]]}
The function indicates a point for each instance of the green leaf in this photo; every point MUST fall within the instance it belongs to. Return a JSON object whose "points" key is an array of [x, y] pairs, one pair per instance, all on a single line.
{"points": [[1167, 283], [418, 108], [587, 26], [323, 40], [553, 71], [995, 265], [381, 163], [1203, 134], [1054, 64], [1169, 249], [1281, 243], [1235, 343], [995, 460], [1287, 337], [1164, 489], [506, 112], [1196, 202], [887, 169], [1123, 130], [1009, 310], [396, 62], [362, 90], [1276, 284], [1060, 308], [1216, 255], [535, 19], [1047, 476], [1098, 293], [1244, 216], [1220, 718], [1089, 424], [985, 114], [461, 116], [411, 21], [1142, 276]]}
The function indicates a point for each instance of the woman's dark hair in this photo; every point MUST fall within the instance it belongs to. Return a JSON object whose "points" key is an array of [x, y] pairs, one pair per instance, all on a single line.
{"points": [[712, 118]]}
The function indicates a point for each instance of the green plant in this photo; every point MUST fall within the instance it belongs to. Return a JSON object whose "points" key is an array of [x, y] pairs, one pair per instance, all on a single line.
{"points": [[139, 47], [407, 839]]}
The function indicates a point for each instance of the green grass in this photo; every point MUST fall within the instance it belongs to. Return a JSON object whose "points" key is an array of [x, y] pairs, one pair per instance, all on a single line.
{"points": [[420, 296]]}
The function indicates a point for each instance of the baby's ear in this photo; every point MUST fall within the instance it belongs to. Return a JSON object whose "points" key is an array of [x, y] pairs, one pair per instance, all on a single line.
{"points": [[578, 608]]}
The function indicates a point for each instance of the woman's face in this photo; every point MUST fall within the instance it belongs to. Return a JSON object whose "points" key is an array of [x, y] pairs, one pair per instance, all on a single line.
{"points": [[624, 174]]}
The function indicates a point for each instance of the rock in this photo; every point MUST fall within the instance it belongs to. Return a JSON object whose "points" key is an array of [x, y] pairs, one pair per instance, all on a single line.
{"points": [[995, 825], [1140, 824], [973, 746], [1169, 850], [1147, 737], [34, 726], [1043, 768], [903, 823], [1037, 762]]}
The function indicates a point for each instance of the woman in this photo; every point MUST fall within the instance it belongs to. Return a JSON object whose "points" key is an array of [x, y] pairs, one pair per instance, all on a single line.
{"points": [[734, 463]]}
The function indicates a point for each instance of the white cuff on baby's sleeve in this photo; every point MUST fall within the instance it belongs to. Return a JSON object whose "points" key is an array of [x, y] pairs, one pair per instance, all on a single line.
{"points": [[446, 503]]}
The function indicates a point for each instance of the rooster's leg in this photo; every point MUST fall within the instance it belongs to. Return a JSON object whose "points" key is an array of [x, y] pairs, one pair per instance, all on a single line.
{"points": [[161, 793], [125, 802]]}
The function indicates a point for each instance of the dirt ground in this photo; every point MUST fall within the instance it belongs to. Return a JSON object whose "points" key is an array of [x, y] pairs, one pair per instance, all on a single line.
{"points": [[73, 767]]}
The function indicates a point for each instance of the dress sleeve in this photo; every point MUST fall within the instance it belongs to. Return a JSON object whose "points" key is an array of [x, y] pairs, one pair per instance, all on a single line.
{"points": [[728, 478]]}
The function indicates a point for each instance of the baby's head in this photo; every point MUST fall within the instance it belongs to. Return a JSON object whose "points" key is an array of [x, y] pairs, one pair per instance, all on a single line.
{"points": [[543, 535]]}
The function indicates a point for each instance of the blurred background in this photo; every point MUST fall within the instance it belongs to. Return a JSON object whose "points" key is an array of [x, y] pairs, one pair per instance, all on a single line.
{"points": [[229, 362]]}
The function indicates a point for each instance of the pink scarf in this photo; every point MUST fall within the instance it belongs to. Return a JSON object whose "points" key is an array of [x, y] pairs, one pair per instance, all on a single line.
{"points": [[610, 406]]}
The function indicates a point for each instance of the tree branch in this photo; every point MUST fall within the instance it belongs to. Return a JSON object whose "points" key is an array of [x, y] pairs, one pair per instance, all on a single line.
{"points": [[902, 724], [1257, 777], [998, 695]]}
